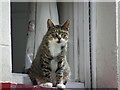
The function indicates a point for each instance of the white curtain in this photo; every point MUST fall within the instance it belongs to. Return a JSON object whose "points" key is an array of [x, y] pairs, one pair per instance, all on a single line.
{"points": [[45, 10], [31, 37], [40, 12], [73, 11], [65, 12]]}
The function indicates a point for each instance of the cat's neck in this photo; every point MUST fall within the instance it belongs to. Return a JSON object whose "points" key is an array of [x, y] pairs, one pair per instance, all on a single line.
{"points": [[54, 48]]}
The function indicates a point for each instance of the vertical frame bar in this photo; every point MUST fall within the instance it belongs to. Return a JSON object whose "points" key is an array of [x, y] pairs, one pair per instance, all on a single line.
{"points": [[86, 45], [81, 41], [93, 42], [75, 39], [117, 39]]}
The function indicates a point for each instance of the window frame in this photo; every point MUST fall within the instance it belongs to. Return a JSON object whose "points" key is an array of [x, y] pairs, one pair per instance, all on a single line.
{"points": [[86, 49]]}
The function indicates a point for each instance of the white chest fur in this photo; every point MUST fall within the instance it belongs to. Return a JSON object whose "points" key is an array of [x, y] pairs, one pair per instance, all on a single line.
{"points": [[55, 48], [53, 65]]}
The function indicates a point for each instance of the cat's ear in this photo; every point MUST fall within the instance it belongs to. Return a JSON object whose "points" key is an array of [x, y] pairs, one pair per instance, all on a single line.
{"points": [[67, 24], [49, 23]]}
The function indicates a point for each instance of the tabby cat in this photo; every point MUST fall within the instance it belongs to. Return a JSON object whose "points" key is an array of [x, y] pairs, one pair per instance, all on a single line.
{"points": [[50, 67]]}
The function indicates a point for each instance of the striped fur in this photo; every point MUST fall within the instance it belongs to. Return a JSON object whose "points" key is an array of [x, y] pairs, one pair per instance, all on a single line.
{"points": [[51, 57]]}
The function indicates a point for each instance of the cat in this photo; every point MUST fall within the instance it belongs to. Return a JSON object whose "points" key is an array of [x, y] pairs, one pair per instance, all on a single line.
{"points": [[50, 67]]}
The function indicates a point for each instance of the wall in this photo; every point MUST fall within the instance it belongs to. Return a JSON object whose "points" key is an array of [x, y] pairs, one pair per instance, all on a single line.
{"points": [[20, 16], [106, 56], [5, 42]]}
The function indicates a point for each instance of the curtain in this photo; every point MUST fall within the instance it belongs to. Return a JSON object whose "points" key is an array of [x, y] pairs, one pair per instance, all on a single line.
{"points": [[45, 10], [75, 12], [63, 11], [66, 11], [39, 13], [31, 37]]}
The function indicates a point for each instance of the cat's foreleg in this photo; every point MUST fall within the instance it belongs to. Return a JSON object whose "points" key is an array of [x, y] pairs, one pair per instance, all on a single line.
{"points": [[59, 78], [47, 77]]}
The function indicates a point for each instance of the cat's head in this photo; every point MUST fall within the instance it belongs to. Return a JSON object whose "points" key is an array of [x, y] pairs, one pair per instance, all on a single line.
{"points": [[58, 33]]}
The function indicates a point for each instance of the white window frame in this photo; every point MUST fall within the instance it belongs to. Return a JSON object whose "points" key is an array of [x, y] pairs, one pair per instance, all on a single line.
{"points": [[93, 41], [87, 46]]}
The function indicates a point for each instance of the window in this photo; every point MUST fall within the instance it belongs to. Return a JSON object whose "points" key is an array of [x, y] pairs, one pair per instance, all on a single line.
{"points": [[104, 44], [24, 40]]}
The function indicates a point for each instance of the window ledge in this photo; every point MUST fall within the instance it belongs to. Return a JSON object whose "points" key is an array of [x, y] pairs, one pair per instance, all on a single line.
{"points": [[24, 79]]}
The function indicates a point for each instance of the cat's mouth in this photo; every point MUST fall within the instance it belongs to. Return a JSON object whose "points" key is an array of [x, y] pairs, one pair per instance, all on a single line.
{"points": [[59, 41]]}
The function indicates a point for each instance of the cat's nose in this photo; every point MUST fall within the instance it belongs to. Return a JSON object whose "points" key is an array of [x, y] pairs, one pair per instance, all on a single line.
{"points": [[59, 40]]}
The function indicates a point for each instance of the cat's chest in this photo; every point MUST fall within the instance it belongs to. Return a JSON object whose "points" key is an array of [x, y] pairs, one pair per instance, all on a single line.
{"points": [[54, 48]]}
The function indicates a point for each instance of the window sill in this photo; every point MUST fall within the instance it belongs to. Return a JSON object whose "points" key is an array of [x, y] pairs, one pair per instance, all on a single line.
{"points": [[18, 78]]}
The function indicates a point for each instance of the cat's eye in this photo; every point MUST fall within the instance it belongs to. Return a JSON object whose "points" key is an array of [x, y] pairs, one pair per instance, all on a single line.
{"points": [[50, 36], [65, 36], [56, 34]]}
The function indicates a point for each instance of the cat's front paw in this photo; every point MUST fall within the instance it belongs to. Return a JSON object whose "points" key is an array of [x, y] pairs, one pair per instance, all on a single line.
{"points": [[47, 84], [60, 85]]}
